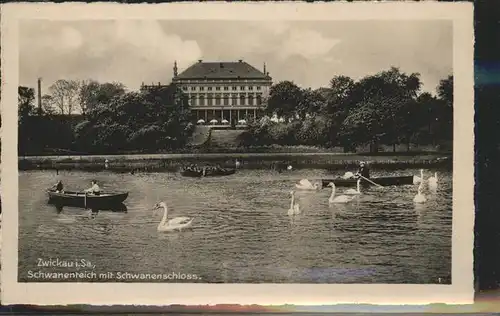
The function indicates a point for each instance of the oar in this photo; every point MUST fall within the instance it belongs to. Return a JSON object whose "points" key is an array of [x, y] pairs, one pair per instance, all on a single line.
{"points": [[371, 181]]}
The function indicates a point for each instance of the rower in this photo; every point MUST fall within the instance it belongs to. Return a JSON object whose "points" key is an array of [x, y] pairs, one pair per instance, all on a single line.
{"points": [[59, 187], [363, 170], [94, 189]]}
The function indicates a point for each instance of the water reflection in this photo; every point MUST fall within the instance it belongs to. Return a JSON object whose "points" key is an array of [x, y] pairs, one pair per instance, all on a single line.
{"points": [[241, 230]]}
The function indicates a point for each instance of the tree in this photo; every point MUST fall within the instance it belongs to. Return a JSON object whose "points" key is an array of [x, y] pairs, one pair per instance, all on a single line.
{"points": [[445, 90], [379, 108], [64, 95], [310, 104], [149, 120], [284, 99]]}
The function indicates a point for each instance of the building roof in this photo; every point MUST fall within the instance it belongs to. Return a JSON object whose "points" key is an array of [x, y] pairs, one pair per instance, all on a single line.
{"points": [[222, 70]]}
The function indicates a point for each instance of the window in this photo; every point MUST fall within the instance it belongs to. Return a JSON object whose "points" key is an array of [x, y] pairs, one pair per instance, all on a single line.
{"points": [[217, 100], [202, 100], [209, 100], [235, 88], [209, 88], [258, 87], [226, 88], [202, 88], [193, 100], [193, 88], [217, 88], [250, 100], [226, 99], [184, 88], [250, 87], [235, 100], [242, 87], [242, 99], [259, 99]]}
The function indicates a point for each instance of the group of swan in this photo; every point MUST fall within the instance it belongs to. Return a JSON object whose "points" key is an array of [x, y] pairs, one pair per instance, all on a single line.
{"points": [[349, 195], [305, 184], [432, 182]]}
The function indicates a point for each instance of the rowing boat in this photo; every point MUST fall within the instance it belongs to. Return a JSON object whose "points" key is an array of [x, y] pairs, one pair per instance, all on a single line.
{"points": [[81, 199], [383, 181], [208, 173]]}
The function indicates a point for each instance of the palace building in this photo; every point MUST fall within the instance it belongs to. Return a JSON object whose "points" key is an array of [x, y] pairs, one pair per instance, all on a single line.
{"points": [[226, 92]]}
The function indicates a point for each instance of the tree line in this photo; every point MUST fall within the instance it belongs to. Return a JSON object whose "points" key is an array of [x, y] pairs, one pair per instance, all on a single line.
{"points": [[385, 108], [110, 119], [92, 117]]}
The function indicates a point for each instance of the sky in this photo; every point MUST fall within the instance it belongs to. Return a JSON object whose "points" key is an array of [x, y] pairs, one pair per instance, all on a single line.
{"points": [[308, 53]]}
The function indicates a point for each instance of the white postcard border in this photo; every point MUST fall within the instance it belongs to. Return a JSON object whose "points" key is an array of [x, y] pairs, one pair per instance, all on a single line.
{"points": [[460, 292]]}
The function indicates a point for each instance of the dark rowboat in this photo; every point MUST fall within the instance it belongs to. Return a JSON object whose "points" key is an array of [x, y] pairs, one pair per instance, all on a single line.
{"points": [[383, 181], [105, 200], [208, 172]]}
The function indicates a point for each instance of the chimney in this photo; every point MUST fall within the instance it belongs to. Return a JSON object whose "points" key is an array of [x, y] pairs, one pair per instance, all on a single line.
{"points": [[39, 95], [240, 60], [175, 68], [200, 60], [264, 68], [221, 65]]}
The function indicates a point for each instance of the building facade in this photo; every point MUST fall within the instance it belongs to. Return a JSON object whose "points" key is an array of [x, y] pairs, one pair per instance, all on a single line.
{"points": [[226, 92]]}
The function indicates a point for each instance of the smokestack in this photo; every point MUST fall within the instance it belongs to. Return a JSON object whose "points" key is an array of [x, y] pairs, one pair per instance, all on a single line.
{"points": [[39, 95]]}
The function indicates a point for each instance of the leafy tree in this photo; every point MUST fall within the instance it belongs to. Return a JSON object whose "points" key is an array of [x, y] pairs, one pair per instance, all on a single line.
{"points": [[284, 100]]}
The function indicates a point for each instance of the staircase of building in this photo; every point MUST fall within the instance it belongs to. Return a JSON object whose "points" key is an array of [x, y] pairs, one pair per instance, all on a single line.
{"points": [[225, 138], [200, 137]]}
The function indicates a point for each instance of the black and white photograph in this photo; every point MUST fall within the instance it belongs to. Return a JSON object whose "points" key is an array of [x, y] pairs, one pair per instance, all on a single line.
{"points": [[202, 148]]}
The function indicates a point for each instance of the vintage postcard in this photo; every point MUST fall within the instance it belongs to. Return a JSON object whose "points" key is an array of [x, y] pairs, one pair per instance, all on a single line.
{"points": [[238, 153]]}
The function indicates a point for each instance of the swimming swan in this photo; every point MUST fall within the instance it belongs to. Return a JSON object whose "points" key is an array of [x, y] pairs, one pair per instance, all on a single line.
{"points": [[294, 207], [419, 198], [355, 191], [417, 179], [177, 223], [305, 184], [340, 198], [433, 181]]}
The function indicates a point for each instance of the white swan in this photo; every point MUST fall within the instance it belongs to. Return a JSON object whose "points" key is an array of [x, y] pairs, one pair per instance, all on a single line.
{"points": [[305, 184], [433, 181], [294, 207], [419, 198], [355, 191], [340, 198], [417, 179], [348, 175], [177, 223]]}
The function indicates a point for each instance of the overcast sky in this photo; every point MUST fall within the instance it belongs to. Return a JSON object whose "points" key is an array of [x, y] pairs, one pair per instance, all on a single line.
{"points": [[308, 53]]}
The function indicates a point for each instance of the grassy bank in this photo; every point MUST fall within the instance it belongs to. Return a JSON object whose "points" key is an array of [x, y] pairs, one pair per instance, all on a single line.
{"points": [[279, 160]]}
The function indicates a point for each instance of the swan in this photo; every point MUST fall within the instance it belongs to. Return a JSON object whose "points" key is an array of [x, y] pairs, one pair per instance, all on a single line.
{"points": [[340, 198], [433, 181], [305, 184], [417, 179], [294, 207], [348, 175], [419, 198], [175, 223], [355, 191]]}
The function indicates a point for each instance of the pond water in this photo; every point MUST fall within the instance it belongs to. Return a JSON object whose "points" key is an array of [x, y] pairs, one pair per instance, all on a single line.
{"points": [[241, 232]]}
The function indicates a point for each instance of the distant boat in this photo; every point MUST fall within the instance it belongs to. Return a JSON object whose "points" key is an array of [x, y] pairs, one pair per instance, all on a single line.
{"points": [[383, 181], [219, 172], [106, 200]]}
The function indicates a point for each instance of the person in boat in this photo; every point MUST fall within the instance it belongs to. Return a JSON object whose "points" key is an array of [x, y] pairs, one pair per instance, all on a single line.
{"points": [[59, 187], [94, 189], [363, 170]]}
